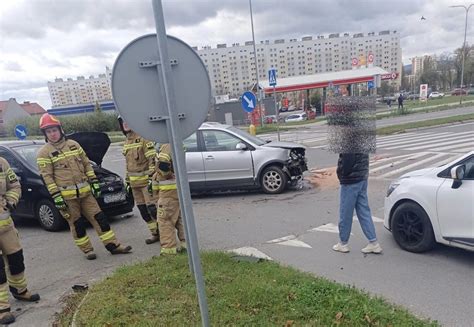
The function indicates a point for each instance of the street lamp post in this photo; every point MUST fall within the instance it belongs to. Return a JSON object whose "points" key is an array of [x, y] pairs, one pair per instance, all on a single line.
{"points": [[463, 45], [259, 98]]}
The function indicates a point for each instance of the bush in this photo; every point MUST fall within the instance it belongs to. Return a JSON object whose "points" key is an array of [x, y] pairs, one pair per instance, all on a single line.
{"points": [[90, 122]]}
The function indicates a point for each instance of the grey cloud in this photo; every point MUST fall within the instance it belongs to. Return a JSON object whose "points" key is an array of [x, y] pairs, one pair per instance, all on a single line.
{"points": [[12, 66]]}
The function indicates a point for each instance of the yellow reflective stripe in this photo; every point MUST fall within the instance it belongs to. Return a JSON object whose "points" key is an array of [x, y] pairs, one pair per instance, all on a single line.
{"points": [[167, 187], [3, 296], [43, 160], [150, 153], [6, 222], [51, 187], [168, 251], [107, 236], [138, 178], [132, 146], [152, 225], [73, 192], [90, 173], [164, 156], [17, 283], [13, 195], [3, 175], [155, 187], [82, 241]]}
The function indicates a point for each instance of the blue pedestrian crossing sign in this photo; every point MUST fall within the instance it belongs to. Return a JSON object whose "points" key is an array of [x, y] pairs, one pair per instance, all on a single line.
{"points": [[21, 132], [370, 85], [248, 101], [272, 77]]}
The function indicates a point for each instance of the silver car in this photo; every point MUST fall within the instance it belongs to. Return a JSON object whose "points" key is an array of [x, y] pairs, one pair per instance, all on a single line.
{"points": [[221, 157]]}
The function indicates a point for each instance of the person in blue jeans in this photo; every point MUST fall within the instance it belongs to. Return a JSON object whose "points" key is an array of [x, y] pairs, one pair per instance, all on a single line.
{"points": [[353, 174]]}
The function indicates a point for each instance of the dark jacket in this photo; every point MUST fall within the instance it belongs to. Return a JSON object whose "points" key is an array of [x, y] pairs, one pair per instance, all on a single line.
{"points": [[352, 167]]}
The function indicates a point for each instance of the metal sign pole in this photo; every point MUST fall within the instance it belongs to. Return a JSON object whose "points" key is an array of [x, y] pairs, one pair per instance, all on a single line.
{"points": [[259, 93], [276, 113], [164, 69]]}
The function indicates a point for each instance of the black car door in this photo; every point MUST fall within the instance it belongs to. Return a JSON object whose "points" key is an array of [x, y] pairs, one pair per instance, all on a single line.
{"points": [[24, 207]]}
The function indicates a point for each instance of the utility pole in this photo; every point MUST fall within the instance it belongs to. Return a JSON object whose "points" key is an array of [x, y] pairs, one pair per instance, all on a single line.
{"points": [[463, 46], [259, 94]]}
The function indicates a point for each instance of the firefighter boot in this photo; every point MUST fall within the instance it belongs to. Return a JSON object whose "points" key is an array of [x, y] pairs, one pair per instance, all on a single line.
{"points": [[119, 249], [91, 255], [26, 296], [6, 317], [182, 248], [153, 239]]}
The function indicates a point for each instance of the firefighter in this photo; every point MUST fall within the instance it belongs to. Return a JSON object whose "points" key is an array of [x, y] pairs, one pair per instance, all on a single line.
{"points": [[140, 164], [71, 181], [12, 267], [169, 214]]}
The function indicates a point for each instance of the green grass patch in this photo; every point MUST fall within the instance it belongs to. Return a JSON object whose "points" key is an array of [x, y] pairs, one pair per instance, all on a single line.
{"points": [[268, 129], [413, 104], [426, 123], [161, 292]]}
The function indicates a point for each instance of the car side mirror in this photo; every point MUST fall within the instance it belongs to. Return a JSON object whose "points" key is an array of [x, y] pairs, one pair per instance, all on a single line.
{"points": [[457, 174], [241, 146]]}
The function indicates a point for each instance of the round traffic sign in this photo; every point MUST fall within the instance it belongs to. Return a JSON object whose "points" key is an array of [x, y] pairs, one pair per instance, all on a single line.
{"points": [[138, 90]]}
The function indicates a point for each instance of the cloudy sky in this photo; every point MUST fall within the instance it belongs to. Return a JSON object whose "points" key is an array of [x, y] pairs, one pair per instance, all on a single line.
{"points": [[44, 39]]}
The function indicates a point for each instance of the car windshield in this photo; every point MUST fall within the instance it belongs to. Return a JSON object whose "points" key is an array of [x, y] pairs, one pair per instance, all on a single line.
{"points": [[253, 139], [29, 153]]}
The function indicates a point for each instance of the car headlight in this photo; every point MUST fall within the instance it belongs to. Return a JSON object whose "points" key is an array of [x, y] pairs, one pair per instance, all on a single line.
{"points": [[392, 188]]}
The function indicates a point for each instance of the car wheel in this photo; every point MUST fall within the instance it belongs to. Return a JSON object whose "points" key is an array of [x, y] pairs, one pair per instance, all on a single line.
{"points": [[49, 217], [411, 228], [273, 180]]}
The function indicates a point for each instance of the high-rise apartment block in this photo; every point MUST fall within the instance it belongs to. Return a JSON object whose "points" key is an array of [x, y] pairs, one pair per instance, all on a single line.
{"points": [[232, 68], [81, 90]]}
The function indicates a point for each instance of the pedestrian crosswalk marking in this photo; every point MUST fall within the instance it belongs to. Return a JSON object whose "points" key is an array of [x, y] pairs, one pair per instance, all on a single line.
{"points": [[290, 240], [425, 145], [378, 161], [408, 167], [412, 140], [468, 145], [391, 164]]}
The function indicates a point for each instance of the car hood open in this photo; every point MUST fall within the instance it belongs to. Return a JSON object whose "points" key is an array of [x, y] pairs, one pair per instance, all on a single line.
{"points": [[284, 145], [95, 144]]}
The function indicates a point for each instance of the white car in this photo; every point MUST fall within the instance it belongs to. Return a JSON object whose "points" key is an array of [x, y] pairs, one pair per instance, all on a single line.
{"points": [[433, 205], [296, 117], [436, 95]]}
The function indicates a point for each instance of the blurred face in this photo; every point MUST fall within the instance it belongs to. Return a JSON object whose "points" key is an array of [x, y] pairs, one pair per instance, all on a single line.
{"points": [[53, 134], [126, 128]]}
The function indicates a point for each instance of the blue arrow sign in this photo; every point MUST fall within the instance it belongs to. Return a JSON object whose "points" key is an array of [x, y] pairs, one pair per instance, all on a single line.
{"points": [[370, 85], [21, 132], [272, 77], [248, 101]]}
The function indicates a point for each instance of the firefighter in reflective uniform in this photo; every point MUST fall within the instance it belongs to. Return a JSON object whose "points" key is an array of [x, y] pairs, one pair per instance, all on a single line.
{"points": [[169, 214], [140, 164], [71, 181], [12, 267]]}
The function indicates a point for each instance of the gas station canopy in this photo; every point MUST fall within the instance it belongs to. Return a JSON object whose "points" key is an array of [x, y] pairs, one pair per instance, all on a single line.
{"points": [[305, 82]]}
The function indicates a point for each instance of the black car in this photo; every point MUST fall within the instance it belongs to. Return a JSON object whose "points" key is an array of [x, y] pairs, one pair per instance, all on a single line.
{"points": [[37, 203]]}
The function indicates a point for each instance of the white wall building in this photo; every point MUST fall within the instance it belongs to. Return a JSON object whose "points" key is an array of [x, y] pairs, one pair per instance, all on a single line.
{"points": [[232, 69], [81, 90]]}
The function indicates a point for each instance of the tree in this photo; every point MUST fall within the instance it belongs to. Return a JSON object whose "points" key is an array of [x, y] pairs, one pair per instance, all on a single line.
{"points": [[315, 100], [97, 107], [468, 65], [385, 89]]}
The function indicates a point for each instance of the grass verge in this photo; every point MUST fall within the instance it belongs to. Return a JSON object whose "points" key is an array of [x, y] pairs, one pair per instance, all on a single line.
{"points": [[161, 292], [426, 123]]}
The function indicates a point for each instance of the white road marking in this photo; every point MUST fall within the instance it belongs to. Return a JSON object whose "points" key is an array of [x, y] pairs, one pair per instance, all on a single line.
{"points": [[374, 219], [427, 139], [391, 164], [418, 163], [250, 252], [295, 243], [454, 146], [329, 228], [454, 140], [282, 239]]}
